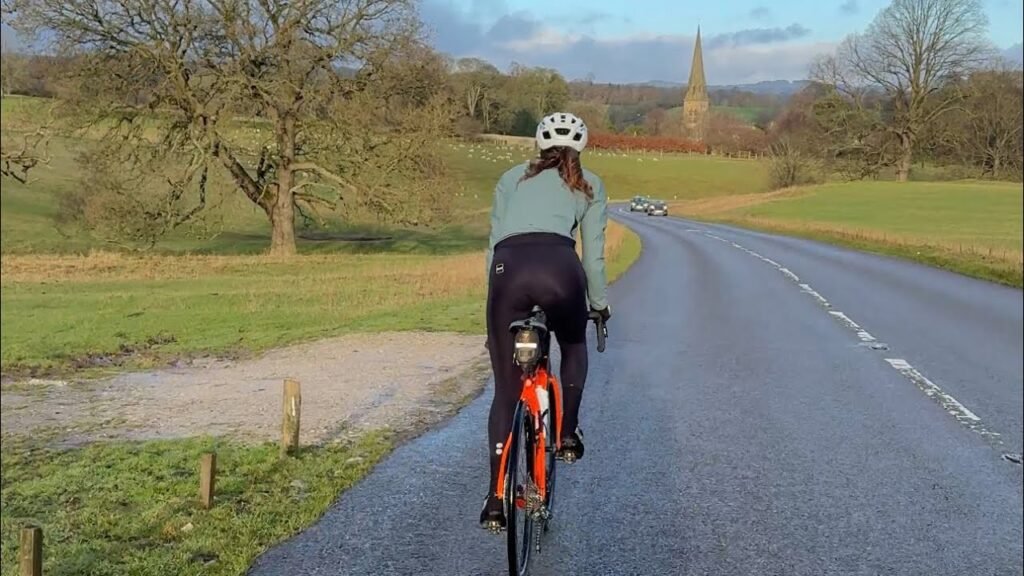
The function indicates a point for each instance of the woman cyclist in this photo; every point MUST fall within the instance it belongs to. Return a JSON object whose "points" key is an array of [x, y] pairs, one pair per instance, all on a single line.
{"points": [[531, 260]]}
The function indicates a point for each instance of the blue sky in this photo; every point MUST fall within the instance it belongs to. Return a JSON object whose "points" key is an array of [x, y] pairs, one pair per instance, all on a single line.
{"points": [[641, 40], [617, 41]]}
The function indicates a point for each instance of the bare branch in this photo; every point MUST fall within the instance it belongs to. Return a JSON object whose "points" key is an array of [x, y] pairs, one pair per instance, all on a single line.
{"points": [[34, 150], [324, 173]]}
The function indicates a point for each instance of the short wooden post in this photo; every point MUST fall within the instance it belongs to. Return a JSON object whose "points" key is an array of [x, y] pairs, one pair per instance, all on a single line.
{"points": [[207, 479], [30, 551], [290, 420]]}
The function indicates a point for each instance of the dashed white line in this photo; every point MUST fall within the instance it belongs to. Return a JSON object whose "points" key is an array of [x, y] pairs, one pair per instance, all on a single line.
{"points": [[806, 288], [861, 333], [950, 404]]}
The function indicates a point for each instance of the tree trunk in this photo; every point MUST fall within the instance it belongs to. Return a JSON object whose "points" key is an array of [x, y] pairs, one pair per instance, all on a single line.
{"points": [[906, 157], [472, 97], [282, 221], [282, 211]]}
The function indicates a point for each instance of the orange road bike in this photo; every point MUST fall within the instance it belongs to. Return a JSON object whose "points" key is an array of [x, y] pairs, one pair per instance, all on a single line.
{"points": [[526, 474]]}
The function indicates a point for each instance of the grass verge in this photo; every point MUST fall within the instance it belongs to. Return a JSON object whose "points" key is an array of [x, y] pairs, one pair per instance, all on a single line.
{"points": [[63, 314], [131, 508]]}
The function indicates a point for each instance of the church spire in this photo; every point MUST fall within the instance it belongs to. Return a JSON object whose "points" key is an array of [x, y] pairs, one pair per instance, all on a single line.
{"points": [[696, 103], [697, 87]]}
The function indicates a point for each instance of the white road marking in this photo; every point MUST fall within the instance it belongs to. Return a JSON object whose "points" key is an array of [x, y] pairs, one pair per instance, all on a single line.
{"points": [[806, 288], [950, 404], [861, 333], [953, 406], [932, 390]]}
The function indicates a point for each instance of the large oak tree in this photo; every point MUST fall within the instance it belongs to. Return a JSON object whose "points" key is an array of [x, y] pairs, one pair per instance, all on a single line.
{"points": [[351, 99]]}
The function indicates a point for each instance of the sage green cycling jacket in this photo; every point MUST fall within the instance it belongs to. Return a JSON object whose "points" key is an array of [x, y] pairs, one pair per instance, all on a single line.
{"points": [[544, 204]]}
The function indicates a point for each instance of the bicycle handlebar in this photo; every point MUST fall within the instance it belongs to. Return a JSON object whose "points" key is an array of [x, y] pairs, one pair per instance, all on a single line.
{"points": [[602, 329]]}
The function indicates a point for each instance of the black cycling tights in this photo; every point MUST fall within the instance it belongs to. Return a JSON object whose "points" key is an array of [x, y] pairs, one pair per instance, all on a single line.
{"points": [[535, 269]]}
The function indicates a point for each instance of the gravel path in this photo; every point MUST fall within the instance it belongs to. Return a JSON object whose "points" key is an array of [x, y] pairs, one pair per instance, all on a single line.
{"points": [[349, 384]]}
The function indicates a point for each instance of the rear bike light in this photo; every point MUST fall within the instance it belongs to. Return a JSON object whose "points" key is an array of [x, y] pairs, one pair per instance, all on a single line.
{"points": [[527, 347]]}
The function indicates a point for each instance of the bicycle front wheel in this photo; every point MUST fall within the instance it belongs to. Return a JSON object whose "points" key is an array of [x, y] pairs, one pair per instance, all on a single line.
{"points": [[519, 492]]}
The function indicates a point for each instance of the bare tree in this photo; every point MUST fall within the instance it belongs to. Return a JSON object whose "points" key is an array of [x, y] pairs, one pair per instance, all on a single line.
{"points": [[476, 81], [984, 131], [175, 77], [538, 90], [656, 121], [910, 51], [986, 127]]}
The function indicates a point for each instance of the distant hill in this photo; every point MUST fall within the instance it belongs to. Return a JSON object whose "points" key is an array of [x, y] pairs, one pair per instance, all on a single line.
{"points": [[772, 87], [1015, 53]]}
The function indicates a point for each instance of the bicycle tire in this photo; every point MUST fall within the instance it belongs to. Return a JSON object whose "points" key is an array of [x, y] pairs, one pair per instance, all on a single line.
{"points": [[517, 472]]}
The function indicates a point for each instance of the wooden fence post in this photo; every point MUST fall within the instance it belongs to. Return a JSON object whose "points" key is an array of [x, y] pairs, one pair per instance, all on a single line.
{"points": [[290, 420], [207, 479], [30, 551]]}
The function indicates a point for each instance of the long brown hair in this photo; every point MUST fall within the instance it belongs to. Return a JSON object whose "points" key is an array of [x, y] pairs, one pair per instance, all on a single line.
{"points": [[567, 160]]}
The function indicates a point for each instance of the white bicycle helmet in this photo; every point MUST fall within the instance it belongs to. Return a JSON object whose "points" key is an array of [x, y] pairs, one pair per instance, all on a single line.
{"points": [[562, 129]]}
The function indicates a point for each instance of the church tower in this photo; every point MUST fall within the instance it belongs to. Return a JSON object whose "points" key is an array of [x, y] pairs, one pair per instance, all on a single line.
{"points": [[696, 103]]}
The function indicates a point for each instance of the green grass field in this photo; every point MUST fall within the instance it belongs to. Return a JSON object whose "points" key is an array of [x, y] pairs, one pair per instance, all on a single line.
{"points": [[63, 313], [667, 176], [980, 214], [970, 227]]}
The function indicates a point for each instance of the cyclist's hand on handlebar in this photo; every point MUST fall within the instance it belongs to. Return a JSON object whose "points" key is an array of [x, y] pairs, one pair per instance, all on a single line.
{"points": [[604, 314]]}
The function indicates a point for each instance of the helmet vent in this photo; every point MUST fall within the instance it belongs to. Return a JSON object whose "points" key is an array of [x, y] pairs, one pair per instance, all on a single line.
{"points": [[562, 131]]}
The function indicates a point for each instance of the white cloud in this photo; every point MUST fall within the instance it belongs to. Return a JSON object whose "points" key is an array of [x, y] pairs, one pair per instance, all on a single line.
{"points": [[776, 53]]}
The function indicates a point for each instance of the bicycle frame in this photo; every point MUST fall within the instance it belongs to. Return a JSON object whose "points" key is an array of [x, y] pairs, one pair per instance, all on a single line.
{"points": [[532, 348], [534, 385]]}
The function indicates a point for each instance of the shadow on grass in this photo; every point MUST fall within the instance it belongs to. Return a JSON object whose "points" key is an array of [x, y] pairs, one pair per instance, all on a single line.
{"points": [[348, 240]]}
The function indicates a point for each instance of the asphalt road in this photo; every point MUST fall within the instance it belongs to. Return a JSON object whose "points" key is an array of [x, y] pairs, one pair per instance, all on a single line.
{"points": [[766, 405]]}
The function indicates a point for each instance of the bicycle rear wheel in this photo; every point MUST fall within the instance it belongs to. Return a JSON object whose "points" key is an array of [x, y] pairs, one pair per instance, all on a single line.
{"points": [[518, 491]]}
